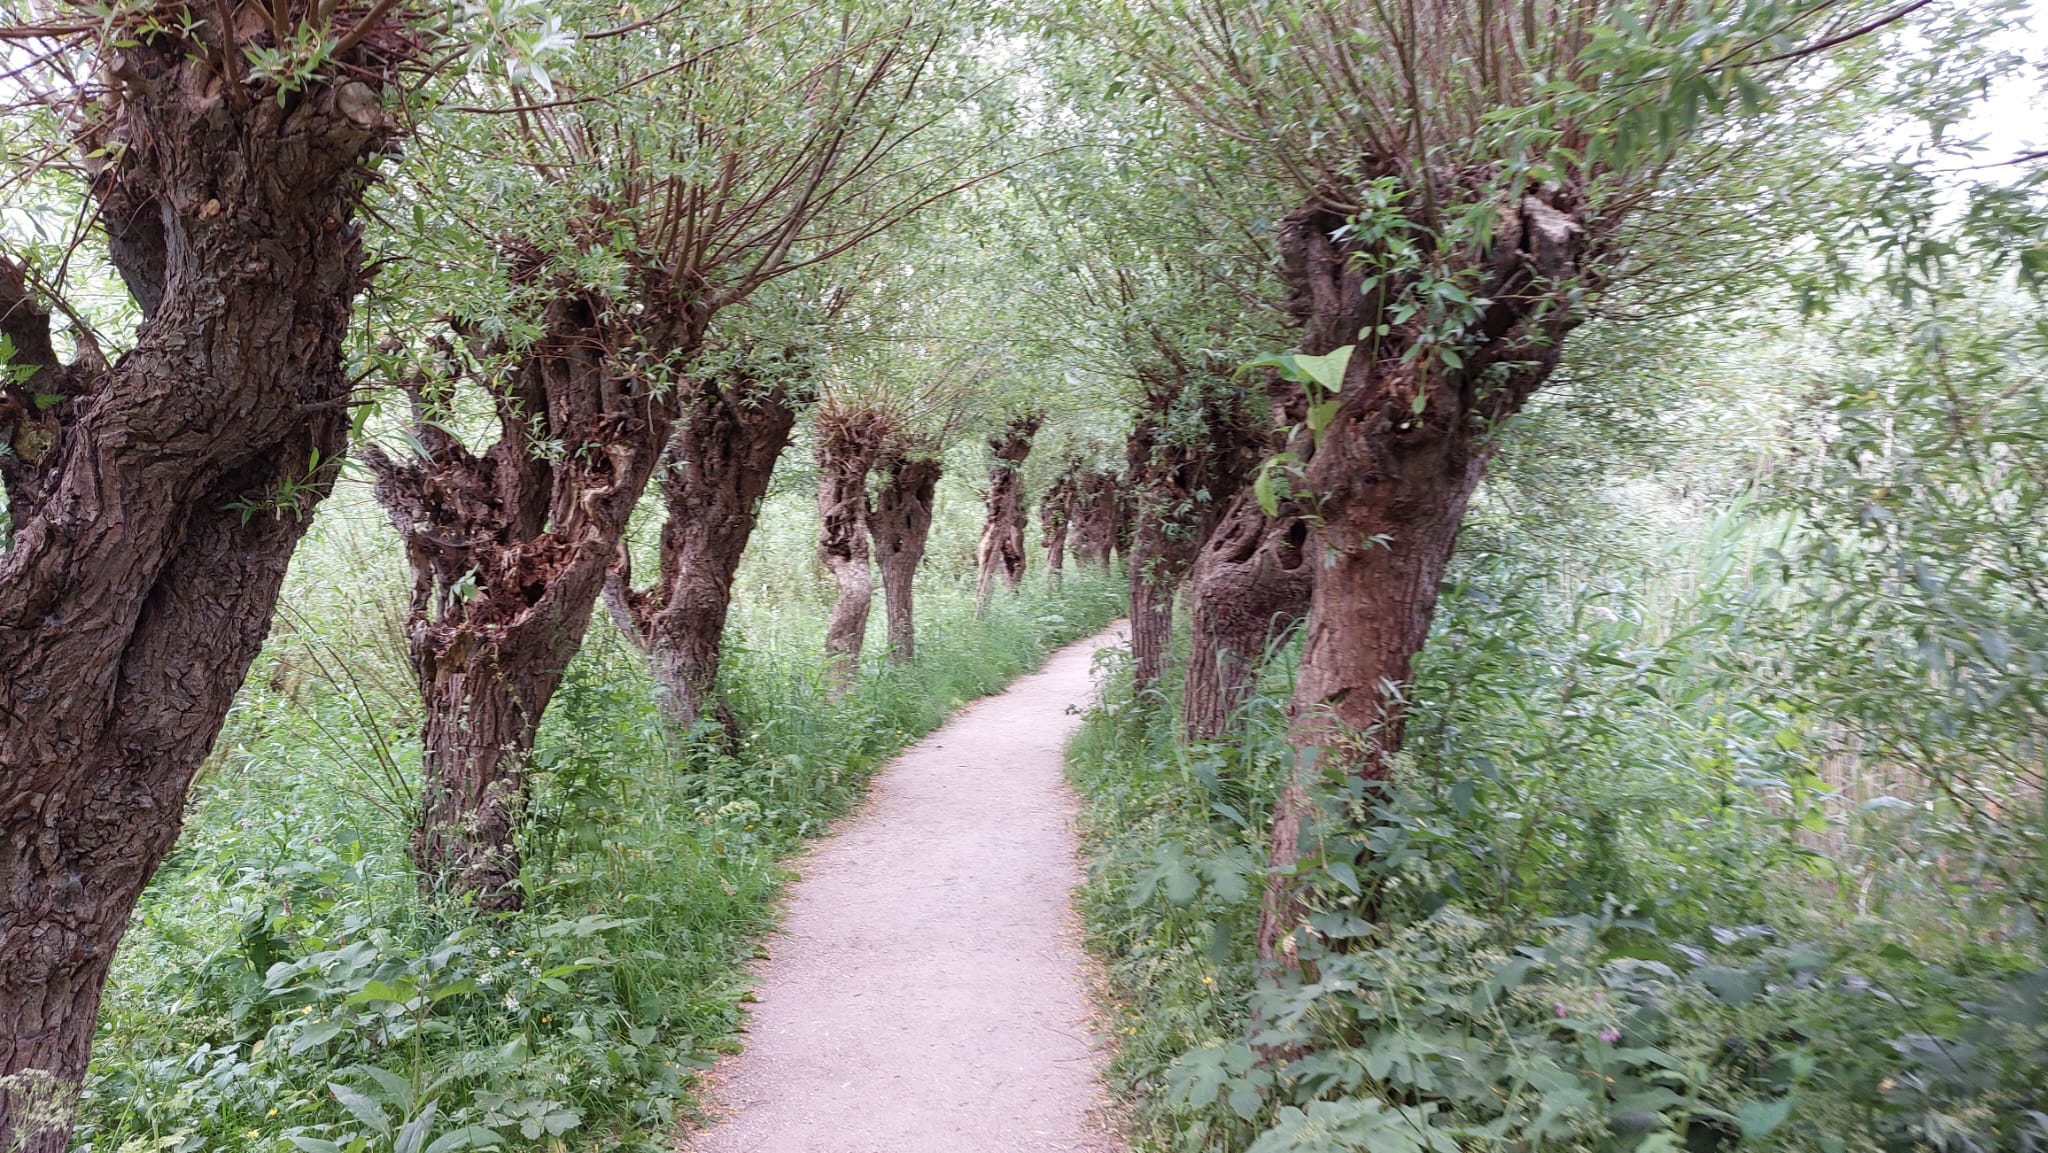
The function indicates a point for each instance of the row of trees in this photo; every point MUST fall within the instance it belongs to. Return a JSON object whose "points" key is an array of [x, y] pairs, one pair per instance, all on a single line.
{"points": [[1430, 199], [628, 252], [615, 257]]}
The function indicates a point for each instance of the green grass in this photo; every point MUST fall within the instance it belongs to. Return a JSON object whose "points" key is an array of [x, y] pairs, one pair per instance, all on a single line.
{"points": [[284, 986]]}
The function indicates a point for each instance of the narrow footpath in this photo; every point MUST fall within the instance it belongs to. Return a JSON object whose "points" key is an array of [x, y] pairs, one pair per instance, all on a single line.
{"points": [[928, 990]]}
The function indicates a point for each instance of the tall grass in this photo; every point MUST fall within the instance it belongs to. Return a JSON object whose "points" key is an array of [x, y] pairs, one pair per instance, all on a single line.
{"points": [[284, 986]]}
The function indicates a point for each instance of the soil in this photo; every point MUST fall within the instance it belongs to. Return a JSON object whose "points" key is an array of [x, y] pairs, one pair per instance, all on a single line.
{"points": [[928, 991]]}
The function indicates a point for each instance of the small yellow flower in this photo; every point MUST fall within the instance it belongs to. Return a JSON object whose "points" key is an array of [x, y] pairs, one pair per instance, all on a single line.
{"points": [[272, 1113], [1208, 980], [253, 1134]]}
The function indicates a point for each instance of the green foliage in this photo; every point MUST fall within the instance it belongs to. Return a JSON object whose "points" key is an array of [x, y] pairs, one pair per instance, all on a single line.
{"points": [[285, 987], [1613, 943], [1923, 570], [1717, 823]]}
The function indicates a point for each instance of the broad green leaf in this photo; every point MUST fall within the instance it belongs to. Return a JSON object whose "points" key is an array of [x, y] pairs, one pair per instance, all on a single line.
{"points": [[413, 1137], [467, 1137], [314, 1036], [1759, 1119], [1328, 369], [366, 1112]]}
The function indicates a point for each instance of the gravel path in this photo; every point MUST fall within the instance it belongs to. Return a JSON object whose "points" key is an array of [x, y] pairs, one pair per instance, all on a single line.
{"points": [[928, 991]]}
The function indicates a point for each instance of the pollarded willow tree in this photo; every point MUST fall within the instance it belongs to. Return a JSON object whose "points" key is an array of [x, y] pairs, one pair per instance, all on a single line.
{"points": [[1001, 552], [850, 437], [1171, 337], [1249, 583], [1192, 446], [1055, 518], [156, 499], [911, 374], [1096, 515], [1454, 181], [739, 406], [907, 472], [583, 237]]}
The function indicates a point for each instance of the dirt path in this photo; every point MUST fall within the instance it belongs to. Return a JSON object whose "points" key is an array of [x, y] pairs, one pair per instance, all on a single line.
{"points": [[927, 991]]}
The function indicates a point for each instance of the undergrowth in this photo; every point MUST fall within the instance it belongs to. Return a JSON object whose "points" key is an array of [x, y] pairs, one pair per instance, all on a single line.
{"points": [[1613, 900], [284, 986]]}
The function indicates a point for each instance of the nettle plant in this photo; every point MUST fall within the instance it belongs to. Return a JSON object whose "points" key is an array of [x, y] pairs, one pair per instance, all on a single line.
{"points": [[1414, 1025]]}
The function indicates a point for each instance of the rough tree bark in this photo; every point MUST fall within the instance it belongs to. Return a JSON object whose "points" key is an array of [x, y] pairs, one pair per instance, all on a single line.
{"points": [[729, 435], [1251, 584], [1392, 477], [1177, 483], [1002, 534], [1248, 589], [1055, 513], [849, 440], [157, 501], [509, 551], [900, 524], [1094, 517]]}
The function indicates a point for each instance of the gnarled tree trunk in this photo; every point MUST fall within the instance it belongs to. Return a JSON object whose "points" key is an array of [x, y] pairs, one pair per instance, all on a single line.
{"points": [[1250, 585], [1178, 482], [510, 550], [1392, 477], [1055, 513], [900, 524], [849, 440], [727, 439], [157, 502], [1002, 534], [1248, 589], [1094, 517]]}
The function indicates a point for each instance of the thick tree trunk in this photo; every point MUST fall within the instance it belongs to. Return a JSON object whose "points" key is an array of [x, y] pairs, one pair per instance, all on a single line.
{"points": [[1095, 517], [482, 717], [1392, 477], [723, 454], [1178, 483], [1002, 534], [1370, 613], [1055, 512], [1157, 564], [1250, 585], [1161, 542], [156, 505], [1123, 524], [1374, 598], [1248, 589], [900, 524], [510, 551], [848, 443]]}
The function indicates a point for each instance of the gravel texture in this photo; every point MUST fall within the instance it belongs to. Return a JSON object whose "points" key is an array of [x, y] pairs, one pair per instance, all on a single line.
{"points": [[928, 992]]}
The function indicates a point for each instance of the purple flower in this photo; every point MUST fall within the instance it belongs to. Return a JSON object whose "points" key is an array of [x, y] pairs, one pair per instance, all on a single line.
{"points": [[1610, 1034], [1560, 1009]]}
